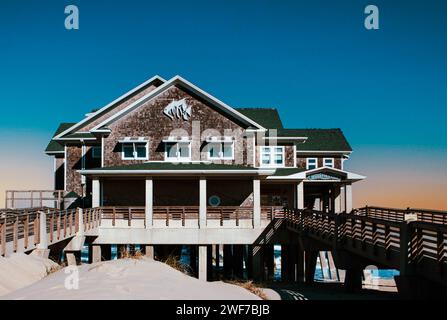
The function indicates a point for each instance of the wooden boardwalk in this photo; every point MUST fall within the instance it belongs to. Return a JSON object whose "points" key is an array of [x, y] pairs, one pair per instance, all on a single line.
{"points": [[411, 240], [23, 230]]}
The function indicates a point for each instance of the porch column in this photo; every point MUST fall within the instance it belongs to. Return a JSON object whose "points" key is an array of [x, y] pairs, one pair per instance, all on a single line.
{"points": [[96, 192], [149, 202], [337, 199], [203, 251], [202, 202], [348, 198], [300, 195], [256, 203]]}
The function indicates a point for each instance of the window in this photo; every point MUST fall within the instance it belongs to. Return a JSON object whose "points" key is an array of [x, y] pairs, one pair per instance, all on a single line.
{"points": [[311, 163], [272, 156], [328, 162], [221, 150], [96, 152], [178, 151], [134, 151]]}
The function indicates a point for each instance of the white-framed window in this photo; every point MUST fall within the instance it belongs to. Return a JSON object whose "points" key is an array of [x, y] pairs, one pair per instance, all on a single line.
{"points": [[178, 151], [328, 162], [272, 156], [96, 152], [221, 150], [134, 151], [311, 163]]}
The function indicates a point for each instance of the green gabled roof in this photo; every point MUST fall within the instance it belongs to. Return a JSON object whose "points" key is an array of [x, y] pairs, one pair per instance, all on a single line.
{"points": [[266, 117], [168, 166], [55, 146], [287, 171], [318, 139]]}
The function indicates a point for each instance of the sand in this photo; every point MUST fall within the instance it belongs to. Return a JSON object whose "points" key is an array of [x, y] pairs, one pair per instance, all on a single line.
{"points": [[128, 279], [20, 270]]}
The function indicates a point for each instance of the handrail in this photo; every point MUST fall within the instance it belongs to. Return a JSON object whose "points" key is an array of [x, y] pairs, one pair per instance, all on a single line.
{"points": [[396, 214], [26, 224], [415, 242]]}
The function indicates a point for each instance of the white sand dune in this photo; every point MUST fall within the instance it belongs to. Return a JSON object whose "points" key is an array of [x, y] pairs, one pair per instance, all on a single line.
{"points": [[20, 270], [129, 279]]}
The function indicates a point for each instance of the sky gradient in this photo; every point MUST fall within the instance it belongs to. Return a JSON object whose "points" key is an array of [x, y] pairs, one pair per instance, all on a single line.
{"points": [[312, 60]]}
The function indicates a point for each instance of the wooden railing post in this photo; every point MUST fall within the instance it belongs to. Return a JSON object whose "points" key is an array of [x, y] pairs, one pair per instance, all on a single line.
{"points": [[336, 228], [43, 238], [26, 230], [58, 227], [183, 216], [405, 237], [114, 216], [65, 223], [51, 225], [129, 222], [3, 237], [81, 227], [167, 217], [16, 233], [440, 251]]}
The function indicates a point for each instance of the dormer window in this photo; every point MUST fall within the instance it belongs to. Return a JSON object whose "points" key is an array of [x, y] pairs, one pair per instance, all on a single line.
{"points": [[272, 156], [328, 162], [311, 163], [134, 150]]}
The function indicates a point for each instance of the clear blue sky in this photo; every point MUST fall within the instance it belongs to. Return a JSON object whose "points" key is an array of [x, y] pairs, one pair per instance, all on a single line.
{"points": [[313, 60]]}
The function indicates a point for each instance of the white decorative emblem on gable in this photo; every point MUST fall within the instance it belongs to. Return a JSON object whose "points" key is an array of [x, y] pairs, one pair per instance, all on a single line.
{"points": [[178, 109]]}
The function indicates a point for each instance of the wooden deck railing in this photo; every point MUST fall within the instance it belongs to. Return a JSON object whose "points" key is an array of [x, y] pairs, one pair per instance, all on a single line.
{"points": [[122, 213], [272, 212], [176, 213], [16, 225], [91, 218], [34, 198], [185, 213], [393, 214], [380, 236], [225, 213], [64, 223]]}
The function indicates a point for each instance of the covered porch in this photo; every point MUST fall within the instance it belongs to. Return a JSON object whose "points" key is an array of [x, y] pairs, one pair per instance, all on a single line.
{"points": [[216, 196]]}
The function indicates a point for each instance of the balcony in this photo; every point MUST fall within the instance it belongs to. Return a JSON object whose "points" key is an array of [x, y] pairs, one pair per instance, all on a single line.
{"points": [[185, 216]]}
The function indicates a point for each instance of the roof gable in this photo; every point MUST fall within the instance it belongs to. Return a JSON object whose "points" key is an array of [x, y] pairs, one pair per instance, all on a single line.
{"points": [[54, 146], [156, 81], [179, 81]]}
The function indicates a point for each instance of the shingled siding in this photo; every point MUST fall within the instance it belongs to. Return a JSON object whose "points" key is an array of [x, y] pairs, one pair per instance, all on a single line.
{"points": [[73, 163], [289, 156], [120, 106], [150, 122]]}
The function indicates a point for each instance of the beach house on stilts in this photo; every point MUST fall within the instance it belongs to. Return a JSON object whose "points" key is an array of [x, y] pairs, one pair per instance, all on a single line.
{"points": [[168, 164]]}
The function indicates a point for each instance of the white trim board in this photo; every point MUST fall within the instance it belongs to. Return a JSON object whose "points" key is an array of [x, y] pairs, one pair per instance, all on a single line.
{"points": [[303, 175], [170, 172]]}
